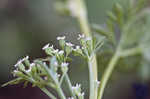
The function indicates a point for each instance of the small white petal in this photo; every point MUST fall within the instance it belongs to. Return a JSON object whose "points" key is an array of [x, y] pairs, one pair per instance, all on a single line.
{"points": [[26, 58], [76, 87], [77, 47], [81, 94], [81, 36], [58, 75], [56, 63], [18, 63], [55, 51], [70, 98], [32, 64], [97, 82], [61, 52], [69, 44], [15, 71], [64, 64], [46, 46], [29, 70], [61, 38], [88, 38], [45, 78]]}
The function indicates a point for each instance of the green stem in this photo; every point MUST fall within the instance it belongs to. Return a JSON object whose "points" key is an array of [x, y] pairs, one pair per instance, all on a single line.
{"points": [[108, 73], [131, 52], [70, 86], [58, 87], [48, 93], [92, 82], [82, 18], [60, 91]]}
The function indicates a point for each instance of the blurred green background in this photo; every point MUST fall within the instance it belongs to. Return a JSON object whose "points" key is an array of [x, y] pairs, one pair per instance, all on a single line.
{"points": [[27, 25]]}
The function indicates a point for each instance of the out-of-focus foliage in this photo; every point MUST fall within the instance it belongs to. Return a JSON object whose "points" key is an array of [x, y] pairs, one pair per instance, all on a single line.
{"points": [[127, 27]]}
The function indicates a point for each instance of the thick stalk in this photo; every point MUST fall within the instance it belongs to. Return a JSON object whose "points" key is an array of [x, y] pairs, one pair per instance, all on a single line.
{"points": [[108, 73], [82, 18]]}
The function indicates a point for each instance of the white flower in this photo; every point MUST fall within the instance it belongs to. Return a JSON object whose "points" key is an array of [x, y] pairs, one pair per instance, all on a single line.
{"points": [[29, 70], [88, 38], [15, 71], [56, 63], [83, 48], [46, 46], [97, 82], [61, 52], [76, 87], [64, 64], [77, 48], [26, 58], [44, 63], [69, 44], [57, 75], [18, 63], [45, 78], [51, 47], [81, 36], [70, 98], [61, 38], [32, 64], [55, 51], [21, 60], [81, 94]]}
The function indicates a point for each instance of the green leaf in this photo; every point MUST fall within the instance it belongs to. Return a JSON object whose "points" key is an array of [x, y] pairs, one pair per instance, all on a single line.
{"points": [[118, 10], [104, 32]]}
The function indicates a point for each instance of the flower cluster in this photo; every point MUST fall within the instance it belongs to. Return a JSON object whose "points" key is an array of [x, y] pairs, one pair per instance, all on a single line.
{"points": [[51, 71], [67, 47], [77, 90]]}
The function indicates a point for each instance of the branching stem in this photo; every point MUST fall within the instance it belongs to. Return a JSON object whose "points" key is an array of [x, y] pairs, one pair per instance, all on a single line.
{"points": [[82, 18]]}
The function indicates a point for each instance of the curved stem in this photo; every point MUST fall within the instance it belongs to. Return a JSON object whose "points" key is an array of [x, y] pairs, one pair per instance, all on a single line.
{"points": [[108, 73]]}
